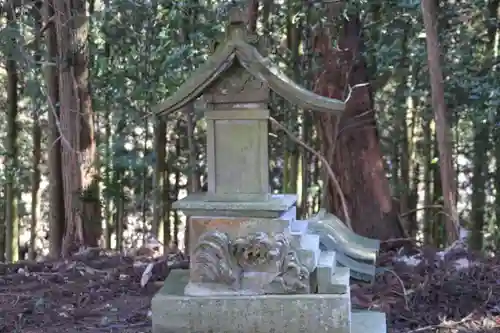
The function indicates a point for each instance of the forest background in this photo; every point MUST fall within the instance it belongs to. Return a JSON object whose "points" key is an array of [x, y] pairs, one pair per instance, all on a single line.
{"points": [[83, 162]]}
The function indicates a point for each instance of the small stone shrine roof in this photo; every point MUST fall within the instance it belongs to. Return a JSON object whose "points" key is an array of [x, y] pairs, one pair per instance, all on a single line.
{"points": [[237, 48]]}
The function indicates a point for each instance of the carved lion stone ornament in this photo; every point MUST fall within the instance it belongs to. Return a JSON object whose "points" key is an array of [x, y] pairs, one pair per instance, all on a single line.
{"points": [[258, 263]]}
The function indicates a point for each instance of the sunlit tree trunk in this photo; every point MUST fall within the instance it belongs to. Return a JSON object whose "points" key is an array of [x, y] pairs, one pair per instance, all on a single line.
{"points": [[482, 132], [36, 137]]}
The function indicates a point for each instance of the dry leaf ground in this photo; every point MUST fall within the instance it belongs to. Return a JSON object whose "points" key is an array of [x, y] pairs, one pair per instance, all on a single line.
{"points": [[98, 292]]}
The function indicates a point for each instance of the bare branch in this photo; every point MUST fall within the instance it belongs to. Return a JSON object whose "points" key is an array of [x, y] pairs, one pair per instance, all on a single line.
{"points": [[324, 162]]}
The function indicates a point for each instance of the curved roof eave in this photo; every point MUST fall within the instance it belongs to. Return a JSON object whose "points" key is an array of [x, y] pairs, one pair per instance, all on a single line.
{"points": [[194, 86], [261, 67]]}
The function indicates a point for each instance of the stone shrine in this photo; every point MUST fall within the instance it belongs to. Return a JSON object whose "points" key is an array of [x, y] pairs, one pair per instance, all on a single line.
{"points": [[253, 266]]}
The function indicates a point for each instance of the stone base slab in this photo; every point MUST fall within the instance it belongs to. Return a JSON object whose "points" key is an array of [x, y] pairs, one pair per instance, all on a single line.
{"points": [[204, 204], [174, 313], [368, 322]]}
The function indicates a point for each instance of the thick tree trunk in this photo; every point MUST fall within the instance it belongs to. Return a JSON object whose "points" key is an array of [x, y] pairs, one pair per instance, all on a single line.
{"points": [[83, 225], [444, 139], [70, 127], [351, 143], [91, 207]]}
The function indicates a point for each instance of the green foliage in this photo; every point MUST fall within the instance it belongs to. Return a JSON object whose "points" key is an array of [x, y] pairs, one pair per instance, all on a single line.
{"points": [[142, 50]]}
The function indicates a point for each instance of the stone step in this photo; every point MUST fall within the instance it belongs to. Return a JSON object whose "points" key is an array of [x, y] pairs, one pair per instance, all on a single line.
{"points": [[368, 322], [339, 282], [326, 267], [309, 252]]}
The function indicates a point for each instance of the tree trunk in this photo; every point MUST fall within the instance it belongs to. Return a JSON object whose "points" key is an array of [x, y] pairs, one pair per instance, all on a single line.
{"points": [[415, 168], [351, 143], [91, 207], [117, 181], [437, 197], [179, 128], [194, 185], [494, 33], [108, 202], [290, 183], [160, 177], [190, 121], [482, 139], [11, 218], [427, 178], [70, 126], [57, 206], [401, 169], [448, 177], [37, 150], [83, 225], [479, 175]]}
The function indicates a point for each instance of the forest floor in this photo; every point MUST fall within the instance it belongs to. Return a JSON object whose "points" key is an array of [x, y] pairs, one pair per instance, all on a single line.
{"points": [[97, 292]]}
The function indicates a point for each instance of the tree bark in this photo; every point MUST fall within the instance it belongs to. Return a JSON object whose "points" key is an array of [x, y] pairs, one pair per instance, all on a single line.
{"points": [[444, 139], [351, 143], [11, 218], [37, 149], [481, 146], [427, 177], [57, 206], [494, 32], [77, 130], [160, 177]]}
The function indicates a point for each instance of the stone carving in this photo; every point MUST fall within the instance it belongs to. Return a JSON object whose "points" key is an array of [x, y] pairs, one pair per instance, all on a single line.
{"points": [[258, 262], [239, 80], [237, 86], [213, 261]]}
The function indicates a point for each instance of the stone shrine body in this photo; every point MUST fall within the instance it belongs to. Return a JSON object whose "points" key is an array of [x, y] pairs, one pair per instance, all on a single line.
{"points": [[253, 266]]}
